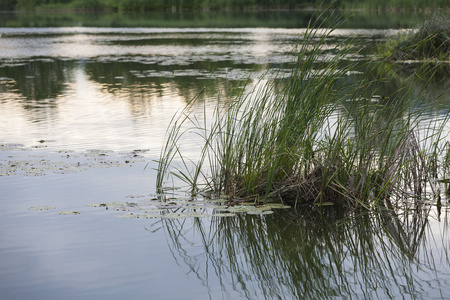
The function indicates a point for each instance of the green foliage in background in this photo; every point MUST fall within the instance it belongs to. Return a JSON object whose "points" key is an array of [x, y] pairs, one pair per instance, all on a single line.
{"points": [[146, 5]]}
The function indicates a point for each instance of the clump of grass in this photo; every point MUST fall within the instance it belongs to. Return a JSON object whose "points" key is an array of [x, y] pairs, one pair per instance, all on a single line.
{"points": [[430, 41], [314, 137]]}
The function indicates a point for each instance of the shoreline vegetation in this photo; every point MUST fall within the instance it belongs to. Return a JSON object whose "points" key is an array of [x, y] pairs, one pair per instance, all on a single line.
{"points": [[321, 135], [431, 42], [211, 5]]}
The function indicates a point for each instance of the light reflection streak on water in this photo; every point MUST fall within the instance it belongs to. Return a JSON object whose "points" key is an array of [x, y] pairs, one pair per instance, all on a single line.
{"points": [[92, 42]]}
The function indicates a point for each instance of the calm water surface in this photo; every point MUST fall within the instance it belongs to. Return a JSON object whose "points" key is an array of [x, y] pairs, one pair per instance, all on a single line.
{"points": [[83, 113]]}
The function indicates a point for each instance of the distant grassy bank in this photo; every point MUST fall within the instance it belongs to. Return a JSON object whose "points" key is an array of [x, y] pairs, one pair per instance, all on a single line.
{"points": [[174, 5]]}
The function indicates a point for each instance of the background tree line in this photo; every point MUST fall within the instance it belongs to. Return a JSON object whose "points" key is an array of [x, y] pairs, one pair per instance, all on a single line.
{"points": [[145, 5]]}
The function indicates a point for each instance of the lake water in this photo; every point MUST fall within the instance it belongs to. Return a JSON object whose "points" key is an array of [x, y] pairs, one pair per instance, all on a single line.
{"points": [[85, 101]]}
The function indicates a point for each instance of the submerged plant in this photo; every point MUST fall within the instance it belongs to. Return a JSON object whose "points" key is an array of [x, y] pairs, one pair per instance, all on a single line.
{"points": [[317, 136]]}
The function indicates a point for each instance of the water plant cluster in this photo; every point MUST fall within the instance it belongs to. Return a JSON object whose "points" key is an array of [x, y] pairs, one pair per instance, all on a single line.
{"points": [[430, 42], [324, 135]]}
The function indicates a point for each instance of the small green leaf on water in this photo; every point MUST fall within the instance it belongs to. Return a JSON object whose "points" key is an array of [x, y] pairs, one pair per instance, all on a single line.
{"points": [[276, 205], [196, 214], [324, 204], [126, 216], [151, 210], [44, 207], [216, 200], [260, 212], [149, 216], [135, 196], [240, 208], [139, 216], [95, 205], [67, 212], [224, 215], [248, 203], [175, 216]]}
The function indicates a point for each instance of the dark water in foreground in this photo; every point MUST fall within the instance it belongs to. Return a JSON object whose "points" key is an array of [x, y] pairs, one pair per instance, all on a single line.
{"points": [[83, 113]]}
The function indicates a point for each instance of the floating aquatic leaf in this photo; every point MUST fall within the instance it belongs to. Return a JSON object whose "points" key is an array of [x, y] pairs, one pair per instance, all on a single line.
{"points": [[276, 205], [224, 215], [216, 200], [324, 204], [67, 212], [247, 204], [196, 214], [148, 216], [174, 216], [165, 205], [151, 210], [96, 205], [195, 206], [44, 207], [240, 208], [139, 216], [120, 204], [260, 212], [126, 216]]}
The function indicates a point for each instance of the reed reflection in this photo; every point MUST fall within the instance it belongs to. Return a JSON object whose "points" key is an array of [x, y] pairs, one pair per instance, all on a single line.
{"points": [[315, 253]]}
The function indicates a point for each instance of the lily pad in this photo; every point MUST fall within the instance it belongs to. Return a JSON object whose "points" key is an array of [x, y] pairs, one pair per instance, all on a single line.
{"points": [[247, 204], [324, 204], [126, 216], [151, 210], [216, 200], [196, 214], [96, 205], [43, 207], [224, 215], [276, 205], [68, 212], [260, 212], [181, 215], [140, 216], [175, 216], [240, 208]]}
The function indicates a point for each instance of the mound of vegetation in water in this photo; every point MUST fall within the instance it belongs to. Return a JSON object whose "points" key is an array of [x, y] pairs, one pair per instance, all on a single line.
{"points": [[430, 41], [317, 136]]}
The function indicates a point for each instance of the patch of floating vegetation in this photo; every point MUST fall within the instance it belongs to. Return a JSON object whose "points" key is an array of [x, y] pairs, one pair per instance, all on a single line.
{"points": [[177, 207], [16, 159], [180, 208]]}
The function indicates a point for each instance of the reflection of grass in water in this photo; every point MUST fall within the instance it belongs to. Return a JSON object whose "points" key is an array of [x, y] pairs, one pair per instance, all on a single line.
{"points": [[314, 137], [313, 254]]}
